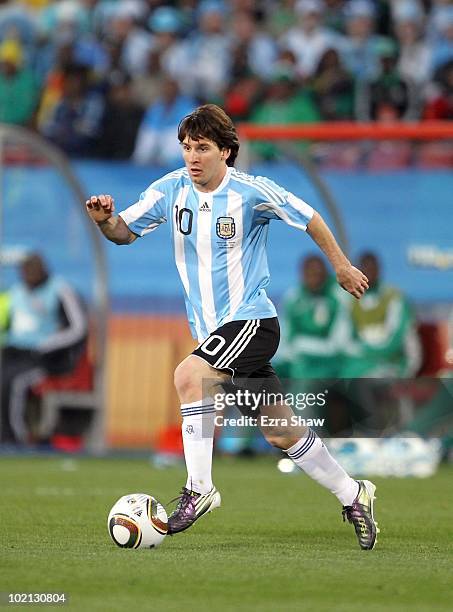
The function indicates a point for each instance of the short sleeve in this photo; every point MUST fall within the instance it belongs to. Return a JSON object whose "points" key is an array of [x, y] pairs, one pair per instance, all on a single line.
{"points": [[148, 213], [278, 203]]}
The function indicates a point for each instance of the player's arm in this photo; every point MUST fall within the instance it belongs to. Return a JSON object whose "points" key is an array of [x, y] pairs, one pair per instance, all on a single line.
{"points": [[349, 277], [279, 203], [101, 209]]}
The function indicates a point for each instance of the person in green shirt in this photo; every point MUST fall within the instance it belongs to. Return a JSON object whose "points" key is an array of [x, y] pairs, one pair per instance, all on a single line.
{"points": [[313, 324], [384, 339], [18, 88], [284, 103]]}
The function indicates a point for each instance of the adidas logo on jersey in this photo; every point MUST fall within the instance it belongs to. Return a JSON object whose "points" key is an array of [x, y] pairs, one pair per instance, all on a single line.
{"points": [[205, 207]]}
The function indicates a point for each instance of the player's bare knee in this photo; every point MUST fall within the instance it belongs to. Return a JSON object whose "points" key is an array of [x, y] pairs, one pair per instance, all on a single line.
{"points": [[194, 379], [186, 379]]}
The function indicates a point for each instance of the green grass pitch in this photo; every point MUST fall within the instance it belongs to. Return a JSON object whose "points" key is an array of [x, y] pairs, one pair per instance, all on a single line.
{"points": [[276, 544]]}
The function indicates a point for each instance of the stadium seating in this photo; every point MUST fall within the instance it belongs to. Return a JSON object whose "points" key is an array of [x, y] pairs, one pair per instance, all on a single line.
{"points": [[74, 390]]}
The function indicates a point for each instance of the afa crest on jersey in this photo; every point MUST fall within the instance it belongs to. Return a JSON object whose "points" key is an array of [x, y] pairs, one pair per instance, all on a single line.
{"points": [[225, 227]]}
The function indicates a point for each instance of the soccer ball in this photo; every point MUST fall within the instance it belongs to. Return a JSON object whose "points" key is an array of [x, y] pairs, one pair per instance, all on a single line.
{"points": [[137, 521]]}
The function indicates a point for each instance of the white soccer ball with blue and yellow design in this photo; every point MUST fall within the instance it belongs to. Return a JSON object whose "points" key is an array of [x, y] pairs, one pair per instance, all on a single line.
{"points": [[137, 520]]}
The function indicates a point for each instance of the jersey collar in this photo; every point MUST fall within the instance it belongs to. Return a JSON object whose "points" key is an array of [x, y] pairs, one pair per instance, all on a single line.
{"points": [[225, 180]]}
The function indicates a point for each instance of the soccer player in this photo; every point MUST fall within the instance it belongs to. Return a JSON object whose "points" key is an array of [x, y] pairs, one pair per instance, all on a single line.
{"points": [[219, 220]]}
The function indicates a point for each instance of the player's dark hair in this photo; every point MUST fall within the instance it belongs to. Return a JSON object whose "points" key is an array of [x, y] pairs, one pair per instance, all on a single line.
{"points": [[211, 122]]}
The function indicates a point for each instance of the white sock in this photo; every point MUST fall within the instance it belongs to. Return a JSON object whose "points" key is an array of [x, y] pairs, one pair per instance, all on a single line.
{"points": [[310, 454], [198, 436]]}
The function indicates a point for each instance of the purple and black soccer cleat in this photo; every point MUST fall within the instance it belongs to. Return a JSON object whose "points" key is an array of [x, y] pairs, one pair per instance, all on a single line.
{"points": [[360, 514], [191, 506]]}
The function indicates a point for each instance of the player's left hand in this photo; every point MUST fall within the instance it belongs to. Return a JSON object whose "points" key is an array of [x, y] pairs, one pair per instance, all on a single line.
{"points": [[352, 280]]}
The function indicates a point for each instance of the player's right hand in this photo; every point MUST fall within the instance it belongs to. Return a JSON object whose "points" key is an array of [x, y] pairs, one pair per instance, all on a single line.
{"points": [[100, 207]]}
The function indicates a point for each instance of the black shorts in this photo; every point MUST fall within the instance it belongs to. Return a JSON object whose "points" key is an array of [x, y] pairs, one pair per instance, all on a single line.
{"points": [[244, 350]]}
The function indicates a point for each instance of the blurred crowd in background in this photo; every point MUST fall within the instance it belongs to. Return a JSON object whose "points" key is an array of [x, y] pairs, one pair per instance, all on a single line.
{"points": [[112, 78]]}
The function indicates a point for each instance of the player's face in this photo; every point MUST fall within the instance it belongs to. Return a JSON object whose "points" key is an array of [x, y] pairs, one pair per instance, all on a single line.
{"points": [[205, 162]]}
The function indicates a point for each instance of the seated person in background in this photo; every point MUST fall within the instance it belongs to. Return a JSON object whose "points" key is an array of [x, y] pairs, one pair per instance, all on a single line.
{"points": [[313, 323], [314, 327], [384, 338], [46, 334]]}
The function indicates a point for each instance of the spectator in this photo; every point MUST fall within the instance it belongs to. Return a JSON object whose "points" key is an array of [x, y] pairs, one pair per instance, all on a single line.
{"points": [[308, 39], [18, 24], [204, 57], [334, 17], [246, 85], [333, 87], [283, 103], [75, 123], [47, 331], [18, 89], [384, 338], [164, 57], [122, 119], [280, 21], [68, 23], [440, 101], [156, 142], [102, 13], [146, 88], [313, 324], [125, 32], [414, 60], [259, 49], [242, 97], [360, 46], [64, 18], [54, 85], [314, 333], [166, 23], [389, 96], [286, 63], [188, 11], [443, 43], [433, 19]]}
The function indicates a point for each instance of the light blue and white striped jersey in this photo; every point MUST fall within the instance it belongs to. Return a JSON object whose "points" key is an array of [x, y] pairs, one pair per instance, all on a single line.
{"points": [[219, 241]]}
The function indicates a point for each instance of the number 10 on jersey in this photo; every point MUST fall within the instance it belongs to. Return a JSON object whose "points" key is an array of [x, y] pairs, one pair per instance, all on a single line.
{"points": [[184, 219]]}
